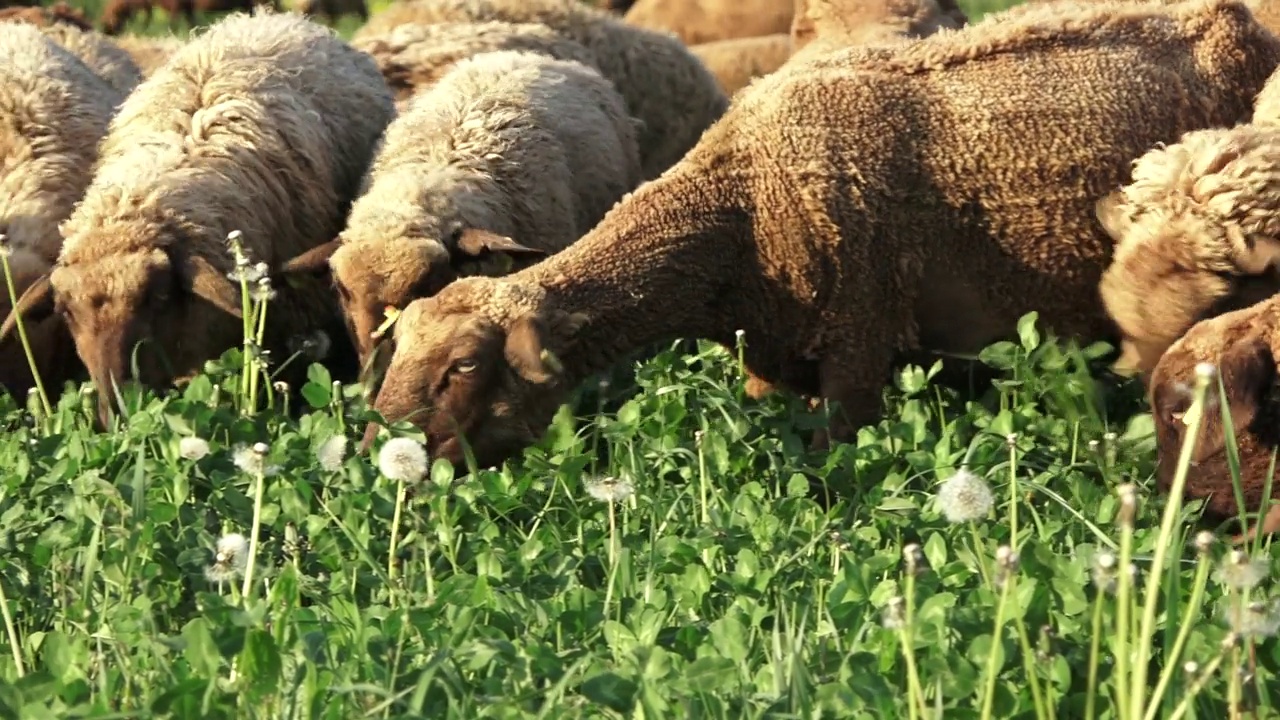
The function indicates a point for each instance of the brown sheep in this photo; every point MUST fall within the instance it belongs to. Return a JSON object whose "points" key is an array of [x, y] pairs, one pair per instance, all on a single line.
{"points": [[738, 61], [1196, 233], [149, 52], [118, 12], [43, 16], [331, 10], [55, 111], [702, 21], [264, 124], [412, 57], [842, 23], [1244, 345], [664, 85], [868, 203]]}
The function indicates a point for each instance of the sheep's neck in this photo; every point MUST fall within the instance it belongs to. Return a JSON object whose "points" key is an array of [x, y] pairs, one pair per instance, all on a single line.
{"points": [[667, 263]]}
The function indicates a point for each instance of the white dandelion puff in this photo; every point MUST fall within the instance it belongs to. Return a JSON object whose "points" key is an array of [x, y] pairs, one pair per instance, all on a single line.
{"points": [[193, 448], [230, 557], [1206, 370], [403, 459], [610, 489], [1257, 619], [332, 452], [252, 460], [891, 613], [964, 497], [1240, 572]]}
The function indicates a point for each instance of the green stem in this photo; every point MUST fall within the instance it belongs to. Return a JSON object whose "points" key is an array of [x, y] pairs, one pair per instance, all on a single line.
{"points": [[993, 653], [253, 537], [22, 336], [12, 631], [1184, 631], [1091, 688], [395, 529]]}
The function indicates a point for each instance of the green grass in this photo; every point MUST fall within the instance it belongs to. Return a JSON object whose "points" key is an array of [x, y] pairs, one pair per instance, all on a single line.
{"points": [[727, 573]]}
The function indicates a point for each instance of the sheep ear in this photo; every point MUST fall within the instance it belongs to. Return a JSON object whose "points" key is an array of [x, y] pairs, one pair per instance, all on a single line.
{"points": [[205, 282], [477, 243], [314, 261], [526, 350], [35, 305], [1111, 214]]}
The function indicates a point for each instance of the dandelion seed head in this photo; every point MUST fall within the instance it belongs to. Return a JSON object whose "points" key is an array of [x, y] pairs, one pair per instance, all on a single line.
{"points": [[891, 613], [965, 497], [252, 460], [230, 557], [235, 236], [739, 333], [1205, 370], [281, 386], [332, 452], [1203, 542], [403, 459], [193, 448], [261, 448], [1109, 437], [1240, 572], [1191, 667], [610, 489], [1257, 619]]}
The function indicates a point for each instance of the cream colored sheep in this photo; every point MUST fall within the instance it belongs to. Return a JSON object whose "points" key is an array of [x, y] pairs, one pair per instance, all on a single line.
{"points": [[702, 21], [867, 203], [53, 112], [263, 124], [513, 155], [738, 61], [663, 84], [412, 57]]}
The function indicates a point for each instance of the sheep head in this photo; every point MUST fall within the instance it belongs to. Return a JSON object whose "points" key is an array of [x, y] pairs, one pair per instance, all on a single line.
{"points": [[370, 276], [1240, 343], [112, 302], [478, 360], [49, 341], [1196, 233]]}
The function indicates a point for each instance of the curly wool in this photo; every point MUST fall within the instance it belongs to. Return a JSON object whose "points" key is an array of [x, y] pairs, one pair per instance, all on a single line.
{"points": [[1209, 206], [98, 52]]}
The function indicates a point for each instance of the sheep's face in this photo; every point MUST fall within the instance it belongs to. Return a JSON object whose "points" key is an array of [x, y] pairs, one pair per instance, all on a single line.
{"points": [[50, 344], [1165, 277], [1247, 367], [464, 367]]}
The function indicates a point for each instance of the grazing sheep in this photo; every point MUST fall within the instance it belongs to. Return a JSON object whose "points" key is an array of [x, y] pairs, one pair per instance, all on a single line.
{"points": [[149, 53], [102, 56], [1245, 346], [512, 156], [835, 24], [845, 211], [738, 61], [331, 10], [702, 21], [55, 110], [118, 12], [413, 57], [664, 85], [1196, 233], [59, 12], [263, 124]]}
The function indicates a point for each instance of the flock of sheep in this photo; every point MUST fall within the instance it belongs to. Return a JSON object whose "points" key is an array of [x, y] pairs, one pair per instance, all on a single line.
{"points": [[543, 187]]}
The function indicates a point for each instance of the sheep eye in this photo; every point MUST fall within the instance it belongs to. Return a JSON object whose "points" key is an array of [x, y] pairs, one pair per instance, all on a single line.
{"points": [[464, 366]]}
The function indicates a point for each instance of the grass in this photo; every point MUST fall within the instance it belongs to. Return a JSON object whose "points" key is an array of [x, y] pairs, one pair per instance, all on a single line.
{"points": [[669, 550]]}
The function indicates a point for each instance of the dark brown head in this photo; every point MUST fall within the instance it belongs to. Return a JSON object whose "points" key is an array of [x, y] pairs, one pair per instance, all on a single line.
{"points": [[476, 362], [1239, 345], [115, 301], [115, 15], [371, 276]]}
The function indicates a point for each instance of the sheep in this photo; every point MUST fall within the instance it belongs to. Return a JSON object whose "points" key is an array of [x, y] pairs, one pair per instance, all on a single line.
{"points": [[55, 111], [702, 21], [842, 23], [1196, 233], [845, 210], [412, 57], [1266, 107], [511, 157], [738, 61], [663, 84], [1244, 345], [149, 53], [118, 12], [331, 10], [59, 12], [102, 56], [263, 124]]}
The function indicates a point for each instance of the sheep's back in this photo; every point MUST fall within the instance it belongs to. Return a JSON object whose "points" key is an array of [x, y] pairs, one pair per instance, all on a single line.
{"points": [[55, 110], [104, 57], [414, 56], [978, 156], [735, 62], [703, 21]]}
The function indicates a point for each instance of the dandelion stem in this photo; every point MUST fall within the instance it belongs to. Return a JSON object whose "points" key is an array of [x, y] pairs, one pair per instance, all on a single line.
{"points": [[906, 633], [1091, 688], [22, 335], [258, 493], [1191, 610], [395, 529], [1196, 687], [12, 632], [993, 652]]}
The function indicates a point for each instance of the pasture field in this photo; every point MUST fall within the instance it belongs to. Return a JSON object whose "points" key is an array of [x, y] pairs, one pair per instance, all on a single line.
{"points": [[670, 550]]}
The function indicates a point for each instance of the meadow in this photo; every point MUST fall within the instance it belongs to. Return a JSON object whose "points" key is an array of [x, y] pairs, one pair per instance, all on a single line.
{"points": [[992, 548]]}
